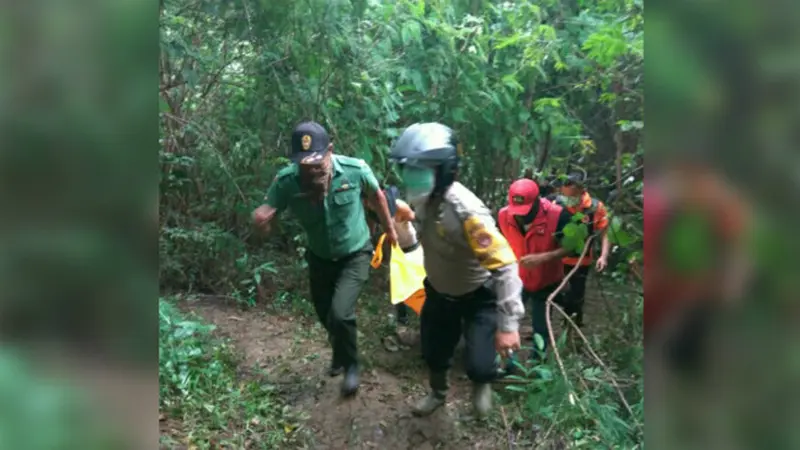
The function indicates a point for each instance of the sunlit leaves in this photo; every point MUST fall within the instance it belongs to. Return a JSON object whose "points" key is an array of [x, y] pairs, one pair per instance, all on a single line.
{"points": [[511, 40], [606, 45], [630, 125], [544, 105]]}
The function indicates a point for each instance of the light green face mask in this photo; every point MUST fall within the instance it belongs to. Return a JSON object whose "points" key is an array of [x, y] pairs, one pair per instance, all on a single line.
{"points": [[571, 201], [418, 181]]}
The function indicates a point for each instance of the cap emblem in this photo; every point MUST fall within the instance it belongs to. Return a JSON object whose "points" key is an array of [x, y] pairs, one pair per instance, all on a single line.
{"points": [[306, 141]]}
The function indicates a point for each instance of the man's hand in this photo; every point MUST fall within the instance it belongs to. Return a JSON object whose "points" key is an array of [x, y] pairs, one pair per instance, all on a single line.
{"points": [[602, 263], [506, 342], [533, 260], [391, 236], [404, 212], [262, 217]]}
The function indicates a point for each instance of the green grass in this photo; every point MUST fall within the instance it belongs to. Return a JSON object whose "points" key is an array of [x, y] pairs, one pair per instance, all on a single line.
{"points": [[201, 388]]}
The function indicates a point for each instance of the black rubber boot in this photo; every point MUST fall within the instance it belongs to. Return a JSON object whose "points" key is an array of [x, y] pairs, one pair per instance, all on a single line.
{"points": [[435, 398], [350, 382]]}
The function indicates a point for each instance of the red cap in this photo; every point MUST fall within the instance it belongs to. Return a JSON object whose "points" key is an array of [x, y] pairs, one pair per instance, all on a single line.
{"points": [[521, 196]]}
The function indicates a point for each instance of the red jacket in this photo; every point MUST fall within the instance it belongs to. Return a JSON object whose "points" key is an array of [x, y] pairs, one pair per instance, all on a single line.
{"points": [[538, 239]]}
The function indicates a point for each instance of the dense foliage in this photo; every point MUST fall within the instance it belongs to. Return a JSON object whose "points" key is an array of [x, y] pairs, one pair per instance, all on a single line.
{"points": [[545, 87]]}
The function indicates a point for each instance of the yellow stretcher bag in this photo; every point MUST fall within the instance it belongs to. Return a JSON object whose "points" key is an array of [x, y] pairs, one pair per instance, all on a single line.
{"points": [[406, 274]]}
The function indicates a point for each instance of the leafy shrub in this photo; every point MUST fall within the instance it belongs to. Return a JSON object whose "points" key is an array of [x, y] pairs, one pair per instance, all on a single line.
{"points": [[200, 385]]}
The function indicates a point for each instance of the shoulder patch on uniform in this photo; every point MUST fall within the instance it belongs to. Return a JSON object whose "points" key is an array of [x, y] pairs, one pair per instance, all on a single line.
{"points": [[489, 247], [478, 232]]}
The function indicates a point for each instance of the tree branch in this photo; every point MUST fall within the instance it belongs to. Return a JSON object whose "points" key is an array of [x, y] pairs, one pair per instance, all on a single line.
{"points": [[550, 304]]}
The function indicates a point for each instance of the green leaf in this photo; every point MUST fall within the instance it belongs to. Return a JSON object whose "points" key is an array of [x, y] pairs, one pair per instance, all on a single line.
{"points": [[543, 372], [515, 388], [524, 115], [539, 341], [543, 104], [511, 81], [411, 32], [508, 41], [419, 82], [405, 87], [617, 234], [418, 9]]}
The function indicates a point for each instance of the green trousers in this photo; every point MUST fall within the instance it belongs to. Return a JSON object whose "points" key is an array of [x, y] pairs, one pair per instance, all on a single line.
{"points": [[335, 287]]}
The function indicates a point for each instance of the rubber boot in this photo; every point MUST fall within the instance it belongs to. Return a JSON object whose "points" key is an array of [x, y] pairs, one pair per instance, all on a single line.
{"points": [[435, 398], [350, 382], [482, 399]]}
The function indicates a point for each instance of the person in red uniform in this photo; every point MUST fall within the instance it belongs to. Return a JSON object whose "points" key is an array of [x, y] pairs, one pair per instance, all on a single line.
{"points": [[534, 227], [575, 199]]}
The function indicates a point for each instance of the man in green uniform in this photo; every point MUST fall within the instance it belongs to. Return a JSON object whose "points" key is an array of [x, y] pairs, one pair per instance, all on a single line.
{"points": [[323, 191]]}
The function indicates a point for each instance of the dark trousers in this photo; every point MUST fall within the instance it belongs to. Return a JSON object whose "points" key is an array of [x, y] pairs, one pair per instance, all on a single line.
{"points": [[444, 319], [576, 292], [538, 302], [335, 287], [402, 313]]}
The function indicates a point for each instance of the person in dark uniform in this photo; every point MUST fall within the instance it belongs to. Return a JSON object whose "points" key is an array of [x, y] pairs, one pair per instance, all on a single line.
{"points": [[322, 190]]}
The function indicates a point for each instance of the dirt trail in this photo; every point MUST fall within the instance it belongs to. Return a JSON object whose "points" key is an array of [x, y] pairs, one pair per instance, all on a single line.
{"points": [[295, 355]]}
